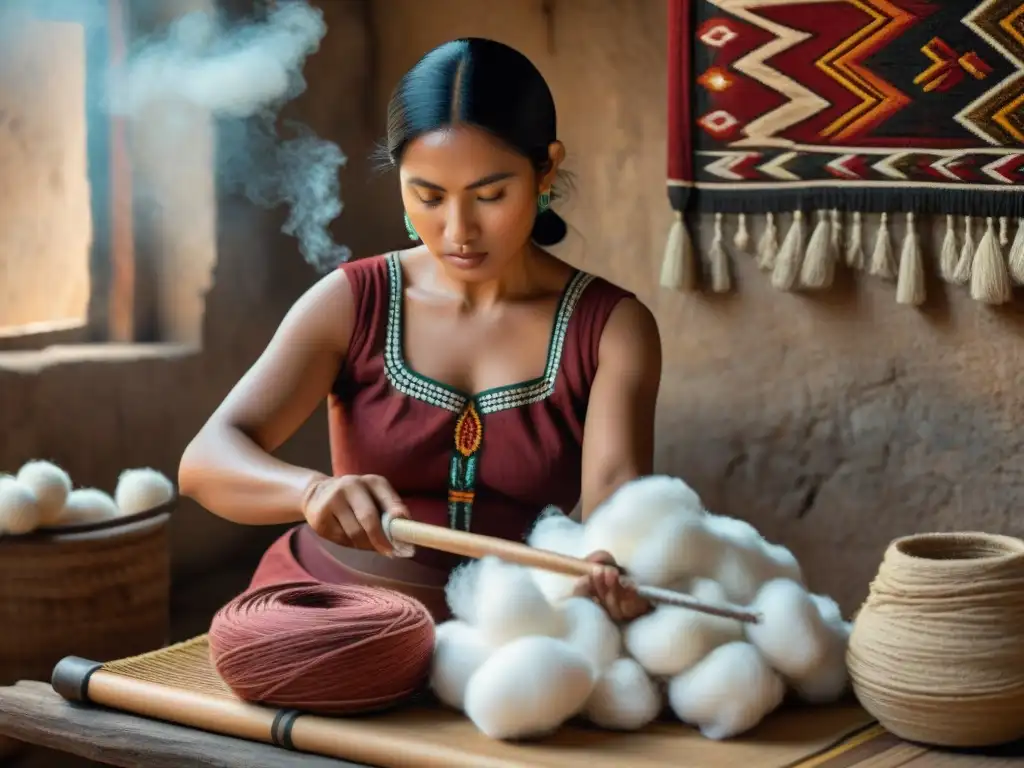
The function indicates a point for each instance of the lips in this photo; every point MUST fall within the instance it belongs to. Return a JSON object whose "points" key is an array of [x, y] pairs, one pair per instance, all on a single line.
{"points": [[466, 260]]}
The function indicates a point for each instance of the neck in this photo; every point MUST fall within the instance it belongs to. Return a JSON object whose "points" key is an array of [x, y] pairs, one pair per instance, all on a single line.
{"points": [[517, 278]]}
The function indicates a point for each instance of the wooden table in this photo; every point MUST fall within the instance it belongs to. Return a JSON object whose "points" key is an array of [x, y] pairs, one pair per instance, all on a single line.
{"points": [[33, 713]]}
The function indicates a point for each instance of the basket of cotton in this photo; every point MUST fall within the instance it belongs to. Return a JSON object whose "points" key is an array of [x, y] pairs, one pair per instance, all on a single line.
{"points": [[82, 571], [522, 656]]}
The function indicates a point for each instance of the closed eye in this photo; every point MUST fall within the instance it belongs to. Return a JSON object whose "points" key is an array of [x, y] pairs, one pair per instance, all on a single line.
{"points": [[500, 194]]}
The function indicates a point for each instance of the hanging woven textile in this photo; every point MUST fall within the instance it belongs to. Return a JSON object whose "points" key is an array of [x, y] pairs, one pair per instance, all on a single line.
{"points": [[813, 116]]}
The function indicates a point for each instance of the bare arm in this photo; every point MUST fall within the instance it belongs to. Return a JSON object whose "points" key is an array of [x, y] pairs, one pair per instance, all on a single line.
{"points": [[618, 441], [228, 466]]}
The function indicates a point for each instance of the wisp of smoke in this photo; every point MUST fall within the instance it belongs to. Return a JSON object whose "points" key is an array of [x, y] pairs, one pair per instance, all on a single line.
{"points": [[244, 74]]}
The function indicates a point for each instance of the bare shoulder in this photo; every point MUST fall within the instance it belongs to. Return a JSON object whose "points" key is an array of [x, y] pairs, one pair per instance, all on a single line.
{"points": [[631, 332], [324, 315]]}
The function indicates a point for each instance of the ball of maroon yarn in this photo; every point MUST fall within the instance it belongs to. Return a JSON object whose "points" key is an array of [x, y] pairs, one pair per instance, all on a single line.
{"points": [[323, 648]]}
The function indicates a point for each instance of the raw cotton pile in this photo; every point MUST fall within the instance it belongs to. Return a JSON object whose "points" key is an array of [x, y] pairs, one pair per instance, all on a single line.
{"points": [[41, 495], [522, 655]]}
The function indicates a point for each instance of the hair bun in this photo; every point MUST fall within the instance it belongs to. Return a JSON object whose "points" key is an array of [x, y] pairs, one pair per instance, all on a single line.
{"points": [[549, 228]]}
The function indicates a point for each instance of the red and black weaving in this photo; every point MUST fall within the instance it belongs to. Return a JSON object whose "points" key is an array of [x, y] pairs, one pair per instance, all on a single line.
{"points": [[842, 106]]}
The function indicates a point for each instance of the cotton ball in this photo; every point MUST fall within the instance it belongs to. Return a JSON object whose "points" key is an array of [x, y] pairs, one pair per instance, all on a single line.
{"points": [[830, 679], [50, 484], [679, 547], [780, 563], [591, 632], [829, 610], [460, 591], [711, 592], [624, 698], [733, 529], [509, 604], [528, 688], [671, 639], [19, 510], [87, 505], [729, 692], [738, 571], [459, 650], [632, 513], [140, 490], [556, 532], [746, 565], [792, 635]]}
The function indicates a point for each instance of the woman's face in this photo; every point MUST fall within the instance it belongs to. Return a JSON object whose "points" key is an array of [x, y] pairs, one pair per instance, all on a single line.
{"points": [[471, 200]]}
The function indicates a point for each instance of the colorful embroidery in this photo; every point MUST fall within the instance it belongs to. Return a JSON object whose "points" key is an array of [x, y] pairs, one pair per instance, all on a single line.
{"points": [[469, 429], [469, 435]]}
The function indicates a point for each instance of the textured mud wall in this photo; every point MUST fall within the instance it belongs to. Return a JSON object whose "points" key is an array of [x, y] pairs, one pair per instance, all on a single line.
{"points": [[833, 423]]}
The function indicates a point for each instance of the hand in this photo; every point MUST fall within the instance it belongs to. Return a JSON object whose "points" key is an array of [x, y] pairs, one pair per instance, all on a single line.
{"points": [[347, 510], [605, 585]]}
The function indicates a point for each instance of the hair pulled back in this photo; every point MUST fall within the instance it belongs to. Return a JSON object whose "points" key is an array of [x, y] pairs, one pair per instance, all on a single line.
{"points": [[486, 84]]}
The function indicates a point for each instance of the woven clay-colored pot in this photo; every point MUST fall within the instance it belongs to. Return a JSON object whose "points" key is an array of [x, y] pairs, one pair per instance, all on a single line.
{"points": [[101, 592], [937, 649]]}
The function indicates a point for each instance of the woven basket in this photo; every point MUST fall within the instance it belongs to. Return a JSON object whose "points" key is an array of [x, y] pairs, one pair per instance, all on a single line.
{"points": [[101, 592]]}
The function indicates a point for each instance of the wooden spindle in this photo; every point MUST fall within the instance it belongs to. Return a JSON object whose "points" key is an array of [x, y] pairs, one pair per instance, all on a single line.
{"points": [[410, 533]]}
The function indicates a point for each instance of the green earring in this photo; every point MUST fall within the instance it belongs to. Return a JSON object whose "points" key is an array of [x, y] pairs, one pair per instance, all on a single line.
{"points": [[408, 228], [543, 201]]}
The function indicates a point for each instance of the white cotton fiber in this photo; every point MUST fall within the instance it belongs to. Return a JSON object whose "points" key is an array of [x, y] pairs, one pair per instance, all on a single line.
{"points": [[19, 510], [508, 604], [556, 532], [631, 515], [747, 565], [459, 650], [678, 548], [733, 529], [460, 591], [87, 505], [781, 564], [528, 688], [729, 692], [792, 635], [590, 631], [50, 484], [829, 609], [670, 639], [140, 490], [829, 680], [625, 698]]}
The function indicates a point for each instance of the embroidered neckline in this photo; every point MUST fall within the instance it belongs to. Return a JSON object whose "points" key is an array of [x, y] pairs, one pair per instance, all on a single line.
{"points": [[416, 385]]}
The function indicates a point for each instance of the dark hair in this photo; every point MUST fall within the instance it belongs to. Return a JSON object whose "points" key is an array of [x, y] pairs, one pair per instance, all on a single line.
{"points": [[486, 84]]}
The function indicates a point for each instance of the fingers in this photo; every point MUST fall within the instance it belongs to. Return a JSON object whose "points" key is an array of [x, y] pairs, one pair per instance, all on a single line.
{"points": [[619, 599], [387, 497], [582, 587], [365, 518], [600, 556], [610, 592]]}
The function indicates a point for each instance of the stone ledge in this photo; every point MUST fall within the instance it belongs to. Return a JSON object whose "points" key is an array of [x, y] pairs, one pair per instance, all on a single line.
{"points": [[35, 361]]}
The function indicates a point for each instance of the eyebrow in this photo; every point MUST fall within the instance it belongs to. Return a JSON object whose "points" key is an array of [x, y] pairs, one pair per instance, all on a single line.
{"points": [[485, 181]]}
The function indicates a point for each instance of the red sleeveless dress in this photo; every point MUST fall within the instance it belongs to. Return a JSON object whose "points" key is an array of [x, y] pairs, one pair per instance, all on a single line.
{"points": [[488, 463]]}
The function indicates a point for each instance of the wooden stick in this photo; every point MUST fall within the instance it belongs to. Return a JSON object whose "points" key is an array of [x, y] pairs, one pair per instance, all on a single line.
{"points": [[402, 531]]}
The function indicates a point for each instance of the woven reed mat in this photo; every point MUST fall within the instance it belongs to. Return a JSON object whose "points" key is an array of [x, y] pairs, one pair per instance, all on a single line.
{"points": [[423, 734]]}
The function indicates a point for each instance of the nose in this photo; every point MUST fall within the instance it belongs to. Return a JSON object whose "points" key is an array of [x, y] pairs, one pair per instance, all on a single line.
{"points": [[461, 226]]}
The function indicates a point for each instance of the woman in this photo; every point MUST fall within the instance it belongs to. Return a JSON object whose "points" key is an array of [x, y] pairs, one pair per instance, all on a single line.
{"points": [[472, 380]]}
